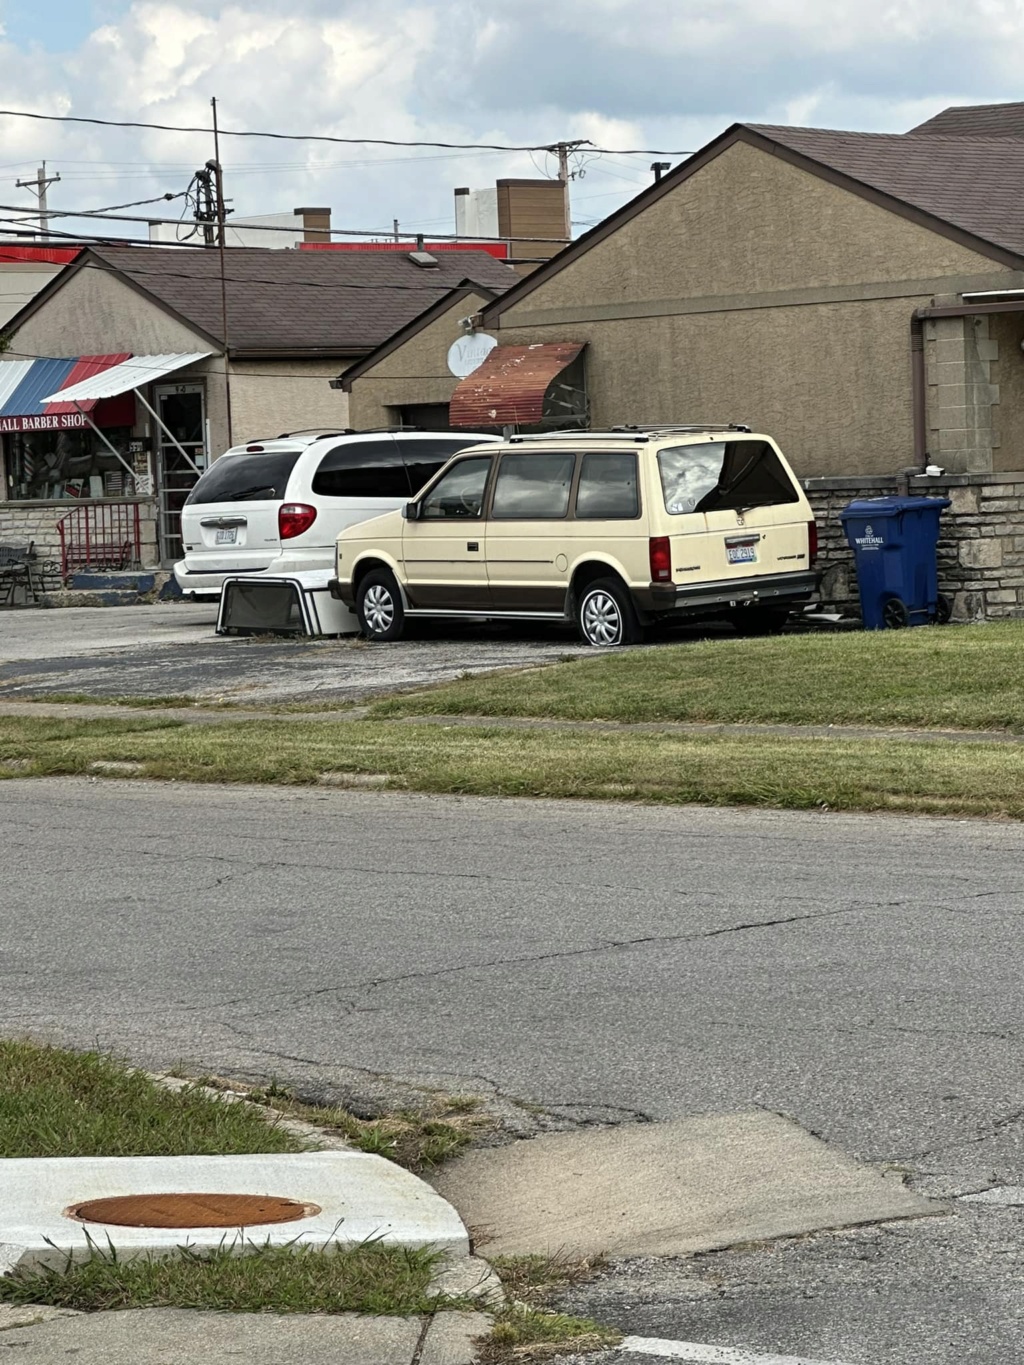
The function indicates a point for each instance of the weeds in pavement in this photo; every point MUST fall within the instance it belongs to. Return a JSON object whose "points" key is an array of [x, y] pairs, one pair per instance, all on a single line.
{"points": [[251, 1278], [54, 1102], [525, 1329], [420, 1140]]}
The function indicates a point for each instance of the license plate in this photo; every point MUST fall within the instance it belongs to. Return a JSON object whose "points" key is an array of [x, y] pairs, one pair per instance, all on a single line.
{"points": [[228, 536], [741, 554]]}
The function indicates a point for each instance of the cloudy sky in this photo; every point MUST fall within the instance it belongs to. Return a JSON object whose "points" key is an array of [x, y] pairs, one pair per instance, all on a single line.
{"points": [[660, 74]]}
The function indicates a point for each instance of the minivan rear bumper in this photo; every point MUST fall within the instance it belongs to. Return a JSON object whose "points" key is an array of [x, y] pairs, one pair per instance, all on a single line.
{"points": [[766, 589]]}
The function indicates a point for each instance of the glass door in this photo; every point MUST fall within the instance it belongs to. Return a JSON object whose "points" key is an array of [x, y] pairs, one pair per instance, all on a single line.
{"points": [[183, 413]]}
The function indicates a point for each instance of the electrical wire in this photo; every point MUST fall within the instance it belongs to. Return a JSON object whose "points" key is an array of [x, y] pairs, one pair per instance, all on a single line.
{"points": [[345, 141]]}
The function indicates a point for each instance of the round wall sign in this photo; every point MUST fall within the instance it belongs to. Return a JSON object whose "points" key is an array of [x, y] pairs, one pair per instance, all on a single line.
{"points": [[469, 353]]}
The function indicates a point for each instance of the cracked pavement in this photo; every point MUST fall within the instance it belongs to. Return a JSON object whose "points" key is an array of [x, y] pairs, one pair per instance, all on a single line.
{"points": [[608, 963]]}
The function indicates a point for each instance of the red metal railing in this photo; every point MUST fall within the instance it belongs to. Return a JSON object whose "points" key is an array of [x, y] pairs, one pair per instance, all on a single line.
{"points": [[100, 535]]}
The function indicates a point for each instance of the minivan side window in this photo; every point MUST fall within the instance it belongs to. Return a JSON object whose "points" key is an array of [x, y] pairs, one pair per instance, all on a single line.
{"points": [[459, 493], [533, 487], [608, 486], [424, 457], [363, 469]]}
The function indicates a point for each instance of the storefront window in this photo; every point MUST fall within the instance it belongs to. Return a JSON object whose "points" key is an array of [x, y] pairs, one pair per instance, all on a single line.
{"points": [[67, 464]]}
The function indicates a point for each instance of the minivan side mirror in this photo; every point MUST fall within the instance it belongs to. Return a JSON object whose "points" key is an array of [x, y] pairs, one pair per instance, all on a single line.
{"points": [[411, 511]]}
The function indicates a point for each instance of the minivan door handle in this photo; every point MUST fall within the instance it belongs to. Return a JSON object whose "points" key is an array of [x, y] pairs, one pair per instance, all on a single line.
{"points": [[472, 545]]}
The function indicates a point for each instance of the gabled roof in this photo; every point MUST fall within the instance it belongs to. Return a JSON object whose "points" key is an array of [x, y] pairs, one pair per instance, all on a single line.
{"points": [[283, 302], [968, 189], [436, 310]]}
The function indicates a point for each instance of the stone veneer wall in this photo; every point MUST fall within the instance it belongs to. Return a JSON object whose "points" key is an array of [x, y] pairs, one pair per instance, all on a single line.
{"points": [[23, 523], [981, 546]]}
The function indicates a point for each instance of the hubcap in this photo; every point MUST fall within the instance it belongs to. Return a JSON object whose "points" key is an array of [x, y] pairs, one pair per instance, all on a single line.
{"points": [[602, 620], [378, 609]]}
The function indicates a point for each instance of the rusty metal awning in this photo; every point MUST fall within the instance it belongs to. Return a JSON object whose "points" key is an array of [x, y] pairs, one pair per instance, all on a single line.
{"points": [[520, 386]]}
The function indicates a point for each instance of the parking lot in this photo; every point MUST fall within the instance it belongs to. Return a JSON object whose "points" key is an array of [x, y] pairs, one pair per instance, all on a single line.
{"points": [[171, 649]]}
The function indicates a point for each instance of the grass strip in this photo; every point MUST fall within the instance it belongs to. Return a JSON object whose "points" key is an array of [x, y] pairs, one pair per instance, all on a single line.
{"points": [[965, 677], [59, 1103], [938, 778], [254, 1278]]}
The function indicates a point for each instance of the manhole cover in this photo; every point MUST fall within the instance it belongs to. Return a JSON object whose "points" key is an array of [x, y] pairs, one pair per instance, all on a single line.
{"points": [[190, 1210]]}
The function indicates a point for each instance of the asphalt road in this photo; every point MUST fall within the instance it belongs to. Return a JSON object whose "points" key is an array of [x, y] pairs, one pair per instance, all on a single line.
{"points": [[860, 974]]}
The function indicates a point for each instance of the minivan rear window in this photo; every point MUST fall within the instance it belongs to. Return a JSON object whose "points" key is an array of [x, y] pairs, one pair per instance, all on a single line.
{"points": [[245, 478], [723, 476]]}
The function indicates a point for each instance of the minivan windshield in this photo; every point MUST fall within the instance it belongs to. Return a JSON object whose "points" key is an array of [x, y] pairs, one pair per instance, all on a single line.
{"points": [[245, 477], [723, 476]]}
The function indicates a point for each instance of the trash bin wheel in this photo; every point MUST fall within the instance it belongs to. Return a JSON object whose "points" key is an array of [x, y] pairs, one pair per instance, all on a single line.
{"points": [[943, 609], [895, 615]]}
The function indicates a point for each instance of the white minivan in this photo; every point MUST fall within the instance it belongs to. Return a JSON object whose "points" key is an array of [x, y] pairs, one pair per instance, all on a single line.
{"points": [[277, 506]]}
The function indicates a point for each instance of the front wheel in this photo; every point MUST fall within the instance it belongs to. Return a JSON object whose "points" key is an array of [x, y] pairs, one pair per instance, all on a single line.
{"points": [[379, 606], [605, 615]]}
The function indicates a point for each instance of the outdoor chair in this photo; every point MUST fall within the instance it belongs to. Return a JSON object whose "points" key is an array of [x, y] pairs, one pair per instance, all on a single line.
{"points": [[18, 570]]}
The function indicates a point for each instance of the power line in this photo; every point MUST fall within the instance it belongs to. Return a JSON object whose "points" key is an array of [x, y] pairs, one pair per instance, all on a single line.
{"points": [[345, 141], [269, 227]]}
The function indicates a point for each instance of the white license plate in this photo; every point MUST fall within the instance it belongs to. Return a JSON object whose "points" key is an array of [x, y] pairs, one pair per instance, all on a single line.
{"points": [[741, 554], [226, 537]]}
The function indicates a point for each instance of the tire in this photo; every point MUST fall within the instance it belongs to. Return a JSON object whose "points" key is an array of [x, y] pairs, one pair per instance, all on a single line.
{"points": [[943, 610], [605, 615], [379, 607], [895, 615], [759, 621]]}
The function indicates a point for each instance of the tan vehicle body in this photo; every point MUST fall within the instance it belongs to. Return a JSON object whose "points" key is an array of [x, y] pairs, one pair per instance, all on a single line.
{"points": [[688, 521]]}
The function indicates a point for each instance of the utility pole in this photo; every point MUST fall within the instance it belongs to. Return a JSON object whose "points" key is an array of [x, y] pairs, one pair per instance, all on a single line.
{"points": [[39, 186], [215, 168], [562, 150]]}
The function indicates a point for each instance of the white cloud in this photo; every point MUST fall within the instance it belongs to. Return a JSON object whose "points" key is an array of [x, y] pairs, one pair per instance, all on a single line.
{"points": [[620, 72]]}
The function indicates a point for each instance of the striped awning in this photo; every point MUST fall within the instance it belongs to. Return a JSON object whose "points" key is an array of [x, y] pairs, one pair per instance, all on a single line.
{"points": [[29, 388]]}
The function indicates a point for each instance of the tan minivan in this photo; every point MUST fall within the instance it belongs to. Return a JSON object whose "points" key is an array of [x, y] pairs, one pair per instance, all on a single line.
{"points": [[611, 529]]}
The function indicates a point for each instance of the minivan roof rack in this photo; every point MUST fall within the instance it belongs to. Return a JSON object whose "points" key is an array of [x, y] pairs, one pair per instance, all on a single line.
{"points": [[685, 426]]}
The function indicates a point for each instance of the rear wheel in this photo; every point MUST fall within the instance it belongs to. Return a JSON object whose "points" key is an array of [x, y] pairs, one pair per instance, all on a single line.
{"points": [[895, 615], [759, 621], [605, 615], [379, 606]]}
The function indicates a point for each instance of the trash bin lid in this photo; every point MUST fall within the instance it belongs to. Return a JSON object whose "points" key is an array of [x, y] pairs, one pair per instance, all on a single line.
{"points": [[890, 507]]}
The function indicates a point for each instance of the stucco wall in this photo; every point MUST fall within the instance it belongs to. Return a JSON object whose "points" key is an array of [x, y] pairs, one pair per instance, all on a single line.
{"points": [[416, 372], [757, 292], [272, 396], [750, 223], [95, 313]]}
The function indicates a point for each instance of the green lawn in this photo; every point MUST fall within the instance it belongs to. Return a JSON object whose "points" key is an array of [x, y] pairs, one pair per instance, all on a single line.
{"points": [[963, 677], [59, 1103], [887, 775]]}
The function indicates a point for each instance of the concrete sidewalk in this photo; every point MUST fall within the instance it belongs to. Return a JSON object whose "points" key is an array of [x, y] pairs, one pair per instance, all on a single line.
{"points": [[174, 1336]]}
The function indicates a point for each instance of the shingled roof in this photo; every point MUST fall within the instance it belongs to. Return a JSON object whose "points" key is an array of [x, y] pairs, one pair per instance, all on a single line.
{"points": [[976, 120], [974, 183], [336, 303], [945, 174]]}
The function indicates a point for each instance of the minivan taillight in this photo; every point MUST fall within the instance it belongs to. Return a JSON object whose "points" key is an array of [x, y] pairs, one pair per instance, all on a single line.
{"points": [[812, 542], [293, 518], [661, 559]]}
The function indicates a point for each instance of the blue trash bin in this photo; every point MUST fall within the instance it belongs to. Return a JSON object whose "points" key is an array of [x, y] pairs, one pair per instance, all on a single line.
{"points": [[894, 545]]}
